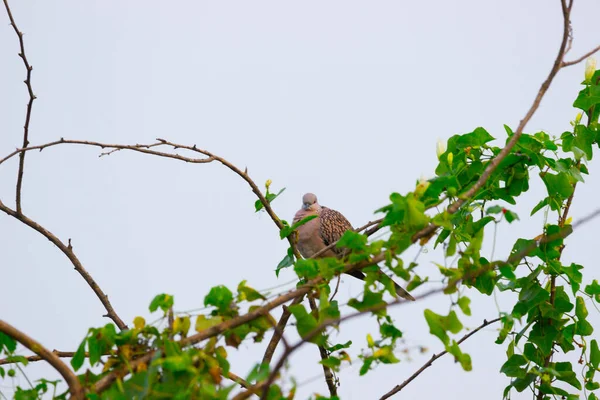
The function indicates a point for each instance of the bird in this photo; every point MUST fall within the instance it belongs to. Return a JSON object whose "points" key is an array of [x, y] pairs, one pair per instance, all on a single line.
{"points": [[327, 228]]}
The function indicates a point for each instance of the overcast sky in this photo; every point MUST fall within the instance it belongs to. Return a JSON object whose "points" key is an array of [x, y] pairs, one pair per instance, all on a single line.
{"points": [[345, 99]]}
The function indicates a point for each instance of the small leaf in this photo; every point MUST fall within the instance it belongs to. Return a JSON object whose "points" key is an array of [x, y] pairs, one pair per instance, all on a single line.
{"points": [[203, 323], [220, 297], [464, 303], [164, 301], [287, 230], [77, 360], [513, 366], [139, 322]]}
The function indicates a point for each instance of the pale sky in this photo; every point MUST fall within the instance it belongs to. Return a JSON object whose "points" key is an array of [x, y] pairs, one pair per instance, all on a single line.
{"points": [[345, 99]]}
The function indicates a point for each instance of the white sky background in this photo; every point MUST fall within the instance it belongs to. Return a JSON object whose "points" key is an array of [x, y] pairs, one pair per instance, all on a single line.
{"points": [[342, 98]]}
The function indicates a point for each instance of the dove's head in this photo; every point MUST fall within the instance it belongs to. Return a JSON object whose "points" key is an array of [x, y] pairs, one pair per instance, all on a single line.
{"points": [[309, 202]]}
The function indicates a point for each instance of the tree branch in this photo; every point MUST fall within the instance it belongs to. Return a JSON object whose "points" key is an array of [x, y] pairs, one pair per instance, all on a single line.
{"points": [[32, 97], [398, 388], [75, 387], [68, 251]]}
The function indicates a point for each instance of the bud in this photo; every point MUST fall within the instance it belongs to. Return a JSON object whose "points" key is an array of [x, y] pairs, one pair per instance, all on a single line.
{"points": [[370, 341], [590, 68], [422, 186], [268, 183], [578, 119], [440, 148], [450, 159]]}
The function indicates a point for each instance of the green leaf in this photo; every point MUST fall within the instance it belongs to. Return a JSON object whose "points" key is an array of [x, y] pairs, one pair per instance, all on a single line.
{"points": [[463, 358], [353, 241], [575, 276], [247, 293], [533, 354], [8, 343], [415, 213], [439, 324], [558, 184], [594, 354], [477, 138], [259, 373], [258, 205], [582, 327], [220, 297], [566, 374], [202, 322], [594, 290], [494, 210], [339, 346], [79, 357], [305, 322], [510, 216], [287, 261], [307, 268], [587, 98], [540, 205], [464, 303], [164, 301], [331, 362], [370, 300], [287, 230], [543, 336], [513, 366], [366, 366]]}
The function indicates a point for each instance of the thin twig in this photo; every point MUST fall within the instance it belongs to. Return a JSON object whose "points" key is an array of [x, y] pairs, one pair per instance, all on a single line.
{"points": [[398, 388], [75, 387], [68, 251], [32, 97], [580, 59]]}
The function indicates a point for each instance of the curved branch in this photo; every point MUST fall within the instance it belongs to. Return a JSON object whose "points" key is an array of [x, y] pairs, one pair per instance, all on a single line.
{"points": [[398, 388], [75, 387], [68, 251], [32, 97], [146, 149]]}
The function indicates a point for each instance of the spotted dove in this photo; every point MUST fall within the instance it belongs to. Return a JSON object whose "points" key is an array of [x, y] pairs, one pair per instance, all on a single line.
{"points": [[327, 228]]}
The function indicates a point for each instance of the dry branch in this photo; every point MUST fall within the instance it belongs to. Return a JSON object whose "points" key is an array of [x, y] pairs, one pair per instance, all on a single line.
{"points": [[32, 97], [67, 250]]}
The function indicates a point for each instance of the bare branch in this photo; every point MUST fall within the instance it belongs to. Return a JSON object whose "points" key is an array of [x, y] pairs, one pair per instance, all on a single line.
{"points": [[146, 149], [580, 59], [75, 387], [61, 354], [32, 97], [68, 251], [398, 388]]}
